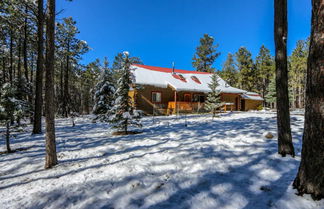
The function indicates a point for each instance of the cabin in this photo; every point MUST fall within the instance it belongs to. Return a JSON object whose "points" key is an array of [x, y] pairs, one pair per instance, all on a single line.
{"points": [[166, 91]]}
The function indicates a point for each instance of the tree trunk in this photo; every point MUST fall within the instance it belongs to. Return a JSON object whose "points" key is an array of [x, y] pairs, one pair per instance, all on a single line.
{"points": [[25, 46], [51, 158], [37, 129], [4, 72], [19, 76], [11, 73], [310, 177], [66, 85], [285, 145], [61, 89], [8, 137]]}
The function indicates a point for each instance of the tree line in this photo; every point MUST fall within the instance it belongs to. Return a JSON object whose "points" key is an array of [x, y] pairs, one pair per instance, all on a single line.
{"points": [[240, 70], [40, 69], [34, 48]]}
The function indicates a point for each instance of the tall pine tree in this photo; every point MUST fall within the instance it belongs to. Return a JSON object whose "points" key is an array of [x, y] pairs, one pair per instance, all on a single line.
{"points": [[104, 94], [205, 54], [297, 73], [264, 64], [229, 72], [246, 68], [124, 114], [310, 177], [285, 145]]}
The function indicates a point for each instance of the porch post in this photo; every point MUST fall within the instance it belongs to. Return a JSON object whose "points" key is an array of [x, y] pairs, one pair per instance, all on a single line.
{"points": [[175, 102]]}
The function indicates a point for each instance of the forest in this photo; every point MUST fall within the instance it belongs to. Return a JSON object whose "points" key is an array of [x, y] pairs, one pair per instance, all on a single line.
{"points": [[44, 84]]}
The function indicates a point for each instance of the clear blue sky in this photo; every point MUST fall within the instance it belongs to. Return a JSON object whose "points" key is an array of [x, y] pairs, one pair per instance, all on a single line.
{"points": [[162, 31]]}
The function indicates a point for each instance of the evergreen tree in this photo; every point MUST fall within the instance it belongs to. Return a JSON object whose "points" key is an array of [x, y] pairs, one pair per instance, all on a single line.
{"points": [[310, 177], [285, 145], [264, 70], [89, 79], [246, 68], [205, 54], [104, 94], [37, 125], [213, 101], [118, 65], [123, 111], [229, 72], [270, 97], [71, 49], [50, 142], [297, 73], [11, 108]]}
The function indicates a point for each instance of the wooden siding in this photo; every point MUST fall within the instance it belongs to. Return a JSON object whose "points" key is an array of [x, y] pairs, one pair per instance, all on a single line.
{"points": [[252, 104], [142, 98]]}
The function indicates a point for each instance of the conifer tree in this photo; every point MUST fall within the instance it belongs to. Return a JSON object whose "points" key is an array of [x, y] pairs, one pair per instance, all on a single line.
{"points": [[51, 157], [213, 101], [11, 108], [310, 177], [297, 73], [229, 72], [264, 70], [118, 63], [270, 97], [205, 54], [246, 68], [285, 145], [104, 94], [37, 125], [123, 111]]}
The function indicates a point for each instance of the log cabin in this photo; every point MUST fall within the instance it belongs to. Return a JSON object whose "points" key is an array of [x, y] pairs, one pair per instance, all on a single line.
{"points": [[166, 91]]}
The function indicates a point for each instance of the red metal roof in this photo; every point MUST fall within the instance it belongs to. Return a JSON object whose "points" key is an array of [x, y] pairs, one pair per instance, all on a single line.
{"points": [[168, 70]]}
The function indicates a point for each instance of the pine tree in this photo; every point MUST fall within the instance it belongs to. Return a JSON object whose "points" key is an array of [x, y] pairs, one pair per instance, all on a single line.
{"points": [[37, 126], [310, 177], [89, 79], [297, 73], [264, 70], [285, 145], [246, 68], [51, 157], [118, 65], [205, 54], [104, 94], [229, 72], [123, 111], [213, 101], [270, 97], [11, 108], [71, 49]]}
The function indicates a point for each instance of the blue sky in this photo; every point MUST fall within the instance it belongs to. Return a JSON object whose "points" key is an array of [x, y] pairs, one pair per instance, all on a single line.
{"points": [[162, 31]]}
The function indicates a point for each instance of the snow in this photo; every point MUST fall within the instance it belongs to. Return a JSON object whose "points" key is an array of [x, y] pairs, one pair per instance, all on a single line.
{"points": [[145, 76], [221, 163], [252, 96]]}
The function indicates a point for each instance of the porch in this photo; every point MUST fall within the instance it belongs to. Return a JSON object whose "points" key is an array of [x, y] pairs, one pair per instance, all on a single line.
{"points": [[181, 106]]}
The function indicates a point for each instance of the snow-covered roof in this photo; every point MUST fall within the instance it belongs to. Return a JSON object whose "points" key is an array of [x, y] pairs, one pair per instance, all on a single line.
{"points": [[180, 80], [252, 96]]}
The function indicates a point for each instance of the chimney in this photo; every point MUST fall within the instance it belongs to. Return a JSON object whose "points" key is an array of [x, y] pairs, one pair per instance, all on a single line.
{"points": [[172, 67]]}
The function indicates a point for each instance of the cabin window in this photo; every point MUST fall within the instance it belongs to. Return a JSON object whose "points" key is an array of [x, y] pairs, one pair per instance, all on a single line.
{"points": [[187, 97], [156, 96], [179, 77], [195, 79], [198, 98]]}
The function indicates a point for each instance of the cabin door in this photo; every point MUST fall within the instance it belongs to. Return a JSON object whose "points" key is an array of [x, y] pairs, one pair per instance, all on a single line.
{"points": [[243, 105], [187, 97]]}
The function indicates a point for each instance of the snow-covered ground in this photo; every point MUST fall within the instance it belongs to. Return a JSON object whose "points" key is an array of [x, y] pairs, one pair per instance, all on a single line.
{"points": [[185, 162]]}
